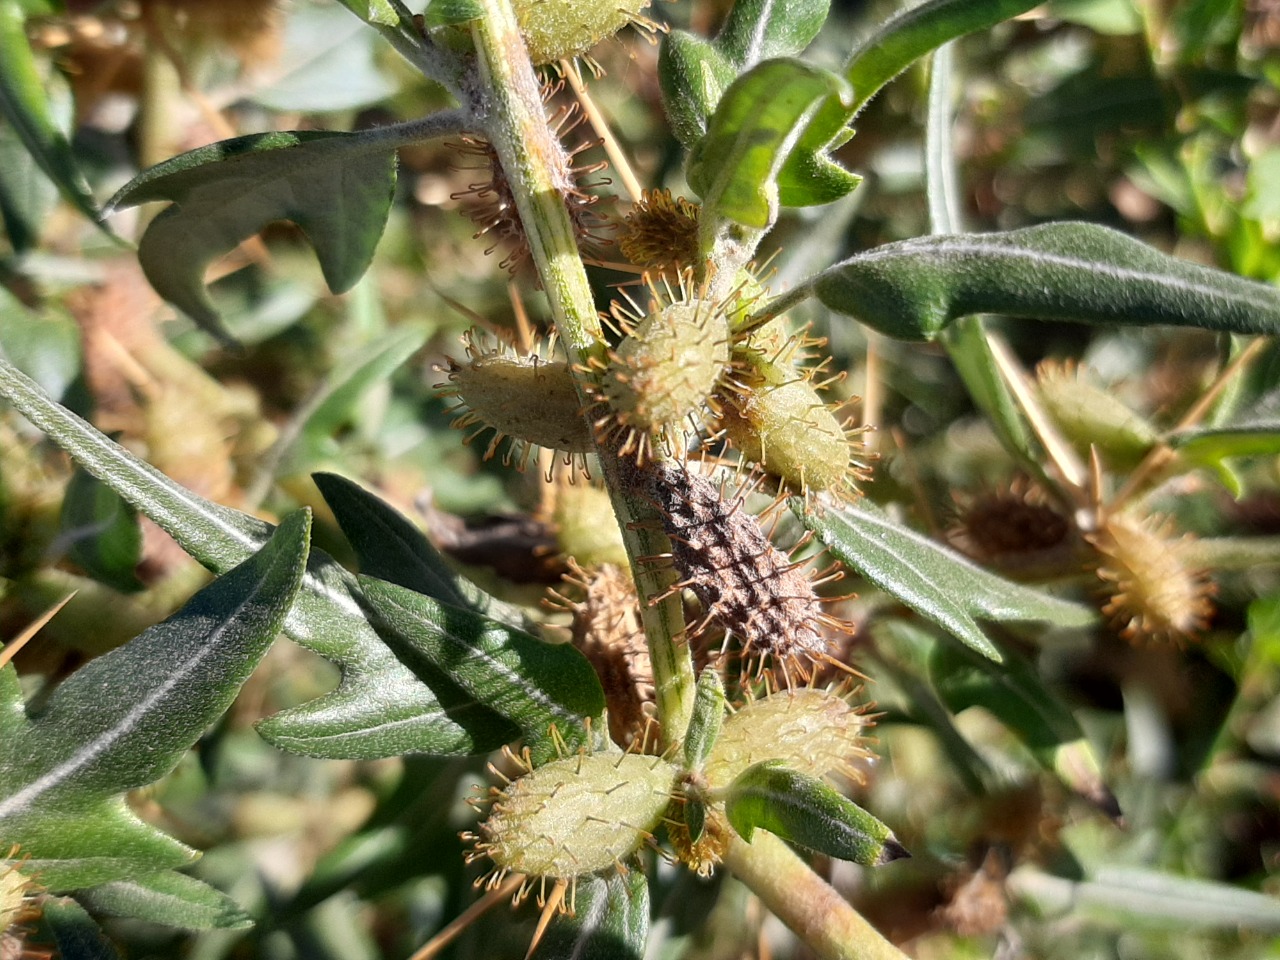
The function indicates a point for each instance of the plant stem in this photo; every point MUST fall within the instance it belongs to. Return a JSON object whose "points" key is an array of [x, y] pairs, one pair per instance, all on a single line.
{"points": [[509, 105], [805, 902]]}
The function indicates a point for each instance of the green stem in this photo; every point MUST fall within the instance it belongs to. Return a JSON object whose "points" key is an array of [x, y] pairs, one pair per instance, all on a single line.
{"points": [[805, 902], [537, 168]]}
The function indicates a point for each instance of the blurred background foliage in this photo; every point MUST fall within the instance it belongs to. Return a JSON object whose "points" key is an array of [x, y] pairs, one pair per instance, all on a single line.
{"points": [[1158, 117]]}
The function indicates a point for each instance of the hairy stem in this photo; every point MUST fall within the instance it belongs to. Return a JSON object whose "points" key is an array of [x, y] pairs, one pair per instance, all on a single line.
{"points": [[509, 105], [805, 902]]}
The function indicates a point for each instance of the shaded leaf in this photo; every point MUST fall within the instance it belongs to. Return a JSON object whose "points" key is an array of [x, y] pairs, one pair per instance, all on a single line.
{"points": [[172, 899], [381, 708], [758, 30], [804, 810], [937, 583], [23, 104], [391, 548], [76, 935], [26, 193], [533, 684], [734, 167], [126, 718], [1064, 271], [611, 921], [337, 187], [101, 532], [1014, 693], [693, 75]]}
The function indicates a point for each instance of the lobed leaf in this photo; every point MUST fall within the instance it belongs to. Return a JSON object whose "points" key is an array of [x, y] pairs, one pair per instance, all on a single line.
{"points": [[23, 105], [610, 920], [127, 717], [381, 708], [735, 166], [810, 176], [534, 685], [337, 187], [937, 583], [1080, 272], [804, 810]]}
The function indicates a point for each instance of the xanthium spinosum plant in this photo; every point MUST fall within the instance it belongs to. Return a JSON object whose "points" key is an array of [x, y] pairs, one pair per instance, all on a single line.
{"points": [[695, 450]]}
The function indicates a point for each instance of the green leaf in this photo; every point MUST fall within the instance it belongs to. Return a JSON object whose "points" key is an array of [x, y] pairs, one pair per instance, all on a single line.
{"points": [[762, 29], [693, 76], [1214, 444], [914, 32], [804, 810], [23, 104], [126, 718], [1065, 271], [26, 195], [337, 187], [391, 548], [533, 684], [102, 532], [381, 12], [172, 899], [380, 709], [967, 342], [1129, 894], [812, 177], [706, 721], [610, 922], [938, 584], [76, 935], [1014, 693], [735, 166]]}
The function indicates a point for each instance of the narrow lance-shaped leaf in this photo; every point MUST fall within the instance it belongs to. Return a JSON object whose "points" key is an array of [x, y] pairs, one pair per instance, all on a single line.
{"points": [[125, 719], [533, 684], [23, 105], [1018, 698], [804, 810], [757, 121], [381, 708], [337, 187], [610, 920], [1066, 271], [170, 898], [930, 579], [391, 548]]}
